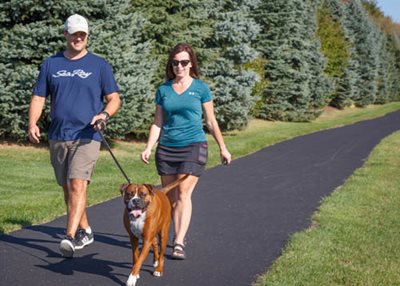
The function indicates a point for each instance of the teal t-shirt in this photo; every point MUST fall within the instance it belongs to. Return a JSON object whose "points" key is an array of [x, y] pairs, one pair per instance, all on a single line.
{"points": [[182, 113]]}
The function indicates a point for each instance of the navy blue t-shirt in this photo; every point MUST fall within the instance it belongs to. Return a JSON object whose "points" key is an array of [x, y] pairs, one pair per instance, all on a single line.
{"points": [[77, 89]]}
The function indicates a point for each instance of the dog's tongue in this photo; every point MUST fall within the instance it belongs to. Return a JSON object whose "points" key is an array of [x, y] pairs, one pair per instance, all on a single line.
{"points": [[136, 213]]}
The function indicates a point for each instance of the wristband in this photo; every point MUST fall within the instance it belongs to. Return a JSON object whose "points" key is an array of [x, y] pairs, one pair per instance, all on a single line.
{"points": [[106, 114]]}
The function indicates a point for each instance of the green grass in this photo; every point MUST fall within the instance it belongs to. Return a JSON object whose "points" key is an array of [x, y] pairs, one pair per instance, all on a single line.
{"points": [[354, 238], [29, 194]]}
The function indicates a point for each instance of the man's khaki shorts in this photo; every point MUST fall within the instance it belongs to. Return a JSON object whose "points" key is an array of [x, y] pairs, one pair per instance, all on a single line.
{"points": [[73, 159]]}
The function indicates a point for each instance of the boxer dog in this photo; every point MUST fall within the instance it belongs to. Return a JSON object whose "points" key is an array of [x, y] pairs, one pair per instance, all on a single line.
{"points": [[147, 215]]}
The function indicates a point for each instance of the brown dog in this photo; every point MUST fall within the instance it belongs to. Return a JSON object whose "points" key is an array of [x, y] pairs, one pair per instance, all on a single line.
{"points": [[147, 214]]}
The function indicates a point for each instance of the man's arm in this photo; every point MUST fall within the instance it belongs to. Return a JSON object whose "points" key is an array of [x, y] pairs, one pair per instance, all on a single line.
{"points": [[112, 106], [35, 111], [113, 103]]}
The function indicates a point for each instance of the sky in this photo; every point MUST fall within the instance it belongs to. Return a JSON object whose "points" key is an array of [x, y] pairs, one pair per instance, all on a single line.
{"points": [[390, 8]]}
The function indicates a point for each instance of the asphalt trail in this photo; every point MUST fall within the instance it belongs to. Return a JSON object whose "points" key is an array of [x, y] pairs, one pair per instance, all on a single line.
{"points": [[243, 215]]}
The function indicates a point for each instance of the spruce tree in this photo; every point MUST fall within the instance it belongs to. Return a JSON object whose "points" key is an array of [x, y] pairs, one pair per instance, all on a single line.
{"points": [[388, 72], [297, 88], [320, 85], [235, 31], [345, 85], [173, 22], [30, 32], [335, 48], [119, 39], [393, 66], [365, 50], [221, 33]]}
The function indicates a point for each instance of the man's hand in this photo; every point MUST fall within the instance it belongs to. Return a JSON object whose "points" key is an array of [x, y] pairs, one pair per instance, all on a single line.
{"points": [[34, 134], [99, 125], [35, 110], [99, 121]]}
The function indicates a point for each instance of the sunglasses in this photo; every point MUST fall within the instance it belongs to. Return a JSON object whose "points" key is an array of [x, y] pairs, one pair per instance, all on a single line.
{"points": [[184, 63]]}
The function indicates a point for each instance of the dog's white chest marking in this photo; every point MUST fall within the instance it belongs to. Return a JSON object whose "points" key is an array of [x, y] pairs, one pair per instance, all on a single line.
{"points": [[137, 225]]}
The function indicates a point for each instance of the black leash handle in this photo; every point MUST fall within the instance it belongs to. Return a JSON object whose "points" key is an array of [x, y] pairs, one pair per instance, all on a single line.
{"points": [[112, 155]]}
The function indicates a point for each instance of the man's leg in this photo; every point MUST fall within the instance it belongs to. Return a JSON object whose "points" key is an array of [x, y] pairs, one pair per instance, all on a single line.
{"points": [[83, 224], [76, 208], [82, 159], [75, 198]]}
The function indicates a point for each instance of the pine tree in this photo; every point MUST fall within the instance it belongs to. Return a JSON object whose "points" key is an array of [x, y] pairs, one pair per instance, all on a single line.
{"points": [[345, 85], [235, 31], [393, 66], [119, 39], [387, 63], [297, 89], [363, 37], [320, 85], [173, 22], [30, 32], [20, 56], [336, 49], [136, 37]]}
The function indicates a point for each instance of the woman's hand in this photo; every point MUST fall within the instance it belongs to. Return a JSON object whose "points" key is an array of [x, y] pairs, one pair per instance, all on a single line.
{"points": [[226, 157], [145, 156]]}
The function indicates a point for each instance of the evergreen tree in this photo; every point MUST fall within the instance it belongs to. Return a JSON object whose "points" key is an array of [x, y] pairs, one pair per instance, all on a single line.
{"points": [[30, 31], [28, 34], [363, 58], [235, 31], [221, 33], [297, 87], [173, 22], [119, 39], [345, 85], [384, 70], [320, 85], [364, 38], [388, 72], [393, 66], [336, 49]]}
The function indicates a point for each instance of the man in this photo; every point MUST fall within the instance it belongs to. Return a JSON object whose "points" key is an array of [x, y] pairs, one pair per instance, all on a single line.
{"points": [[77, 82]]}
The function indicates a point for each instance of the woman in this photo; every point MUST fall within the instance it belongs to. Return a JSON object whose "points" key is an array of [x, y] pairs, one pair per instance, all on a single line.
{"points": [[182, 147]]}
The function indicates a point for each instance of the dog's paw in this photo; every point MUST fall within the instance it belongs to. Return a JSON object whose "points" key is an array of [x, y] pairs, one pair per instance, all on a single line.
{"points": [[155, 264], [132, 280], [157, 274]]}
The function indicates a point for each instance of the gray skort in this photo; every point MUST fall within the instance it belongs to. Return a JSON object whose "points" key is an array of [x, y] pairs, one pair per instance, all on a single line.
{"points": [[189, 159]]}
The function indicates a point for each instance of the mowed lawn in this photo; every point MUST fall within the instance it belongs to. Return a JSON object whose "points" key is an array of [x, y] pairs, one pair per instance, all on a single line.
{"points": [[354, 237]]}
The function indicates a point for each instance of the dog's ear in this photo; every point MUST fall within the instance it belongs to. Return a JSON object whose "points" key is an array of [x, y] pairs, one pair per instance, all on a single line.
{"points": [[150, 188], [123, 188]]}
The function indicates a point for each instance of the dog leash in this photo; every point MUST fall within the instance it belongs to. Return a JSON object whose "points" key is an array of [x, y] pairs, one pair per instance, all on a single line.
{"points": [[112, 155]]}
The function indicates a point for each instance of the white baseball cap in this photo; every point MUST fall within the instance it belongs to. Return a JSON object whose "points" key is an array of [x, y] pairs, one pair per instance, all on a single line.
{"points": [[76, 23]]}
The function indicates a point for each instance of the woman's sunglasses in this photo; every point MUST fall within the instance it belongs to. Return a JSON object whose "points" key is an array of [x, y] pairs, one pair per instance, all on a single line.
{"points": [[184, 63]]}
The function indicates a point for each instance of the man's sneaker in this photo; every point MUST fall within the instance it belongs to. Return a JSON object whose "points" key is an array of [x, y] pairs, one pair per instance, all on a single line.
{"points": [[67, 246], [83, 238]]}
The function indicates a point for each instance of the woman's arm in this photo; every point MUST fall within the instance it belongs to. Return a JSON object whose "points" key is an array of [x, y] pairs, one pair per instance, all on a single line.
{"points": [[213, 127], [155, 130]]}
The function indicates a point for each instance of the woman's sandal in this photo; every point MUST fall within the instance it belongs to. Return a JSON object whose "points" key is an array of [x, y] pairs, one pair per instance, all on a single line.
{"points": [[179, 252]]}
